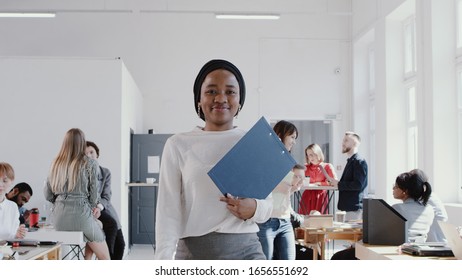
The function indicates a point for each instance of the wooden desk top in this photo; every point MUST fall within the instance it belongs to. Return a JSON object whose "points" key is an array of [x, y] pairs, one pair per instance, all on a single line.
{"points": [[314, 238], [385, 252], [42, 252]]}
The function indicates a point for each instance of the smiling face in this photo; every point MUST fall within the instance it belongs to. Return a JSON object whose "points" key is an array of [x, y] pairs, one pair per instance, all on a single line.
{"points": [[289, 141], [312, 157], [219, 100]]}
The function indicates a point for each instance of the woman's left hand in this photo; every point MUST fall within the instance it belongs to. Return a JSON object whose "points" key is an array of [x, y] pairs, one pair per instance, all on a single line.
{"points": [[243, 208]]}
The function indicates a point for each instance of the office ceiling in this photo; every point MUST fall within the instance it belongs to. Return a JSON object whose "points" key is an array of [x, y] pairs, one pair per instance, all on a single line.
{"points": [[331, 7], [160, 40]]}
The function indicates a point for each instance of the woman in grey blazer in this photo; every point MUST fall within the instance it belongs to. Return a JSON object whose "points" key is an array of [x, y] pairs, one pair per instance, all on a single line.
{"points": [[111, 224]]}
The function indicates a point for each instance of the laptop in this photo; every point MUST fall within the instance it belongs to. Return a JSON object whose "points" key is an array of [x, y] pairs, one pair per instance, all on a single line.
{"points": [[428, 249], [453, 238], [23, 242]]}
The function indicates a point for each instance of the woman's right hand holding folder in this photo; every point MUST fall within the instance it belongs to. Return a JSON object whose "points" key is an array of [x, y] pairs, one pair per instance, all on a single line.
{"points": [[243, 208]]}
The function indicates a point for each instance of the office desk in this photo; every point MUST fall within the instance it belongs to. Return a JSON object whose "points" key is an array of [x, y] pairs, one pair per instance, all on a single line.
{"points": [[316, 238], [42, 252], [73, 239], [385, 252]]}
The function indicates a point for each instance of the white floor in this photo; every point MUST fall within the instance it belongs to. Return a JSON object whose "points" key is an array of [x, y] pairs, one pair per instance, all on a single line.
{"points": [[146, 251], [140, 252]]}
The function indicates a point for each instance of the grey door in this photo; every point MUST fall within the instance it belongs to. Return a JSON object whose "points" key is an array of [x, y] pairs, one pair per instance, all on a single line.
{"points": [[143, 199]]}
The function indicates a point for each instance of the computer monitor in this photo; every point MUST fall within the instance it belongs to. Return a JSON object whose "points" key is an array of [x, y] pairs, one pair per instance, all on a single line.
{"points": [[382, 224]]}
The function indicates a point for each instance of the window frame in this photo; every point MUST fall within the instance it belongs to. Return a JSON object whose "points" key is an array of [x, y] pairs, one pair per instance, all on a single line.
{"points": [[411, 54]]}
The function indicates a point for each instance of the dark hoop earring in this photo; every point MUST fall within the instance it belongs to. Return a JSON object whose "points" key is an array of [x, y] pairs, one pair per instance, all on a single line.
{"points": [[238, 110]]}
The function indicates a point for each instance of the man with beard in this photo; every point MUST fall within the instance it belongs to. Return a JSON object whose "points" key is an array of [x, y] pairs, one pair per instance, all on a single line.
{"points": [[353, 182], [21, 194]]}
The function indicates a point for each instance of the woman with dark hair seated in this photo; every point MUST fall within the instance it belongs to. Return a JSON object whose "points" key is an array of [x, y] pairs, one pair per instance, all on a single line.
{"points": [[414, 190]]}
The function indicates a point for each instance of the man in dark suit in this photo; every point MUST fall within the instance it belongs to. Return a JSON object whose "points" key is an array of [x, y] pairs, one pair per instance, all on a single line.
{"points": [[353, 182]]}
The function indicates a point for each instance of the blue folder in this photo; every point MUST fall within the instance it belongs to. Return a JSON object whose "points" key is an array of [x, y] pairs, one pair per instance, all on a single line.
{"points": [[255, 165]]}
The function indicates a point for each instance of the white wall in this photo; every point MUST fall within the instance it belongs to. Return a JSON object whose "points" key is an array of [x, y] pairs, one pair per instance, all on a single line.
{"points": [[44, 97], [454, 210]]}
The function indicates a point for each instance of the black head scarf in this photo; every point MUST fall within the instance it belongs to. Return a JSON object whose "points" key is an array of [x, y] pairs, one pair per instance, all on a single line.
{"points": [[213, 65]]}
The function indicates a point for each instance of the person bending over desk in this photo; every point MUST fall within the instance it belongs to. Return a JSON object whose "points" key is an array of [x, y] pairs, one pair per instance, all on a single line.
{"points": [[191, 211], [277, 235], [21, 194]]}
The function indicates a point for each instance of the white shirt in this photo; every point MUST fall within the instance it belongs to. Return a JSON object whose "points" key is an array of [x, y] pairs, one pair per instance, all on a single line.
{"points": [[281, 198], [436, 234], [188, 201], [9, 219], [419, 217]]}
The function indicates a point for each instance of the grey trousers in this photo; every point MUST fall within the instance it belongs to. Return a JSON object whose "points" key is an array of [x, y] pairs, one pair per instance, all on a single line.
{"points": [[220, 246]]}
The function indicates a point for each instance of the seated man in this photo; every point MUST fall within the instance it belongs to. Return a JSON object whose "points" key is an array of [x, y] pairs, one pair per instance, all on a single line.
{"points": [[21, 194]]}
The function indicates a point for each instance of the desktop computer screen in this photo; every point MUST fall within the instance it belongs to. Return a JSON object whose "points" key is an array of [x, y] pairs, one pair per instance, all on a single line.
{"points": [[382, 225]]}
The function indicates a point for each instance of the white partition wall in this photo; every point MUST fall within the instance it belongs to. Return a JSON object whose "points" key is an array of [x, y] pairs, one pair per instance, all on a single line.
{"points": [[42, 98]]}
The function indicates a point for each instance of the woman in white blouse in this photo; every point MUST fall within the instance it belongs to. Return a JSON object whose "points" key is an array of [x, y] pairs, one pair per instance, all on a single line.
{"points": [[193, 218]]}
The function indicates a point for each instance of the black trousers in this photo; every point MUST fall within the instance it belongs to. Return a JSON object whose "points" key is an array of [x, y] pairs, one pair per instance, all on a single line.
{"points": [[347, 254], [114, 237]]}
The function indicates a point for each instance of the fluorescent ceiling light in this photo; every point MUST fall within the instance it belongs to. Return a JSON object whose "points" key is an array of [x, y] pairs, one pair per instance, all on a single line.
{"points": [[26, 14], [247, 16]]}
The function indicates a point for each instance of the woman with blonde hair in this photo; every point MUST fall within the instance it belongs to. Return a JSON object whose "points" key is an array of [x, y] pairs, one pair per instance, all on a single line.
{"points": [[72, 188], [320, 173]]}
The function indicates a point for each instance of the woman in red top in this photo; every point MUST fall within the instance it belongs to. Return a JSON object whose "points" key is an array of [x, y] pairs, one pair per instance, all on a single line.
{"points": [[320, 174]]}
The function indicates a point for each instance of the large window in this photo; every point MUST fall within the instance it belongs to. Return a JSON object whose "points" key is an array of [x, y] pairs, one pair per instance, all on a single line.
{"points": [[459, 83], [372, 114], [412, 137], [410, 80], [459, 93], [410, 66], [459, 26]]}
